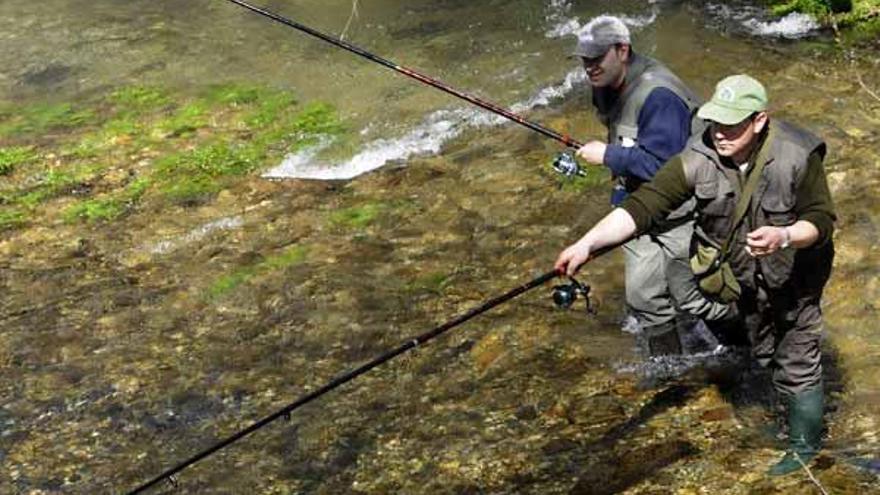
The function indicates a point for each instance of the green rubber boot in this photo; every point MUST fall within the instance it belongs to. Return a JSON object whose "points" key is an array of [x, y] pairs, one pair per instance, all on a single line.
{"points": [[804, 431]]}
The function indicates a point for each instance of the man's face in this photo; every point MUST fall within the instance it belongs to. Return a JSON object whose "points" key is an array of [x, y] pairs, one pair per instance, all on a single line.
{"points": [[607, 69], [736, 140]]}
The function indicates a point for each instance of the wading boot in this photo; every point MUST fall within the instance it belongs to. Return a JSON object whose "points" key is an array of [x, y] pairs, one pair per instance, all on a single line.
{"points": [[663, 340], [804, 431], [730, 331]]}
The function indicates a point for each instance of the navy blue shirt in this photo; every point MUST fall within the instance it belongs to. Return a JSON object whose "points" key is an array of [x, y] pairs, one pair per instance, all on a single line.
{"points": [[664, 127]]}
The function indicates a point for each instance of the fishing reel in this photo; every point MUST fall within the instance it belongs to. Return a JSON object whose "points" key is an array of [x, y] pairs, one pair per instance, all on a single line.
{"points": [[566, 165], [564, 295]]}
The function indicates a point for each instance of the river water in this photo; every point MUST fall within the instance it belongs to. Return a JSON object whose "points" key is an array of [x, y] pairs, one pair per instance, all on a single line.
{"points": [[115, 365]]}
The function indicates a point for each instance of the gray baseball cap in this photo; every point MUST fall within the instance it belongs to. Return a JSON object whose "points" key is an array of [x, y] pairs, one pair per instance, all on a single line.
{"points": [[599, 35]]}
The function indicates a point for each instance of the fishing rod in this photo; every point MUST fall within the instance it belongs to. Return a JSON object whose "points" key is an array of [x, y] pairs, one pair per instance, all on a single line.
{"points": [[564, 139], [563, 295], [347, 377]]}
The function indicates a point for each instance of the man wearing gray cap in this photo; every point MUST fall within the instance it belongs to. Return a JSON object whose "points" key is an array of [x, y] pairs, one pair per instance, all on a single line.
{"points": [[762, 240], [647, 111]]}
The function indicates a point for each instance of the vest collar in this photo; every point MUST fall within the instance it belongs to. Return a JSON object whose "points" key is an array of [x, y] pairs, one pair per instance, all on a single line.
{"points": [[766, 150], [606, 99], [636, 67]]}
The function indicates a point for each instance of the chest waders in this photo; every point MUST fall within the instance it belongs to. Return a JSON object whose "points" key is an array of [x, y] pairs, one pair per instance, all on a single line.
{"points": [[792, 278], [652, 282]]}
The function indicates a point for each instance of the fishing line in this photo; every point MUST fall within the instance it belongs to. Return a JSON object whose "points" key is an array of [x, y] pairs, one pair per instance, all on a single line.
{"points": [[492, 107], [285, 411]]}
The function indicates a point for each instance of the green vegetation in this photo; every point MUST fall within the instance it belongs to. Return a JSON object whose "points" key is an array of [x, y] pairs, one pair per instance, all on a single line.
{"points": [[191, 191], [858, 20], [52, 183], [432, 282], [185, 121], [10, 158], [234, 94], [186, 149], [815, 7], [192, 177], [94, 210], [863, 23], [41, 118], [291, 256], [596, 177], [270, 108], [136, 189], [11, 218], [316, 119], [139, 98], [215, 160], [107, 208], [357, 217]]}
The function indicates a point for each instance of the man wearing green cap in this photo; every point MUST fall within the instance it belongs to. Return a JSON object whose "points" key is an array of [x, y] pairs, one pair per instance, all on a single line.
{"points": [[776, 245], [647, 110]]}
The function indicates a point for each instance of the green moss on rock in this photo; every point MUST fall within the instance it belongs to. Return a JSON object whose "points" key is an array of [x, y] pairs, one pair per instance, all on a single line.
{"points": [[139, 98], [11, 218], [43, 117], [95, 210], [291, 256], [356, 217], [10, 158], [186, 148]]}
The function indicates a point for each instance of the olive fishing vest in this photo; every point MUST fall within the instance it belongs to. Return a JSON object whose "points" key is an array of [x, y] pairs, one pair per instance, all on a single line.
{"points": [[717, 188], [620, 113]]}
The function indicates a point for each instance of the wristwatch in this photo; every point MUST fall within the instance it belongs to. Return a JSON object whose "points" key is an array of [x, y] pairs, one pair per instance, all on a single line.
{"points": [[786, 242]]}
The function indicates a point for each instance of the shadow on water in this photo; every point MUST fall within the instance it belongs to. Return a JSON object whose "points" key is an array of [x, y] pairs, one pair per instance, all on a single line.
{"points": [[616, 474], [607, 472], [673, 396], [48, 76], [616, 460]]}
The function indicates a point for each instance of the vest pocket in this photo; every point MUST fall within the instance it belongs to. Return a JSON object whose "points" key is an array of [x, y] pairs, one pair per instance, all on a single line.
{"points": [[715, 202], [778, 210]]}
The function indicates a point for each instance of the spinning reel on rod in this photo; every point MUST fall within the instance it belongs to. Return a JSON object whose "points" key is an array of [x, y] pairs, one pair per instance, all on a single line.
{"points": [[564, 295], [566, 165]]}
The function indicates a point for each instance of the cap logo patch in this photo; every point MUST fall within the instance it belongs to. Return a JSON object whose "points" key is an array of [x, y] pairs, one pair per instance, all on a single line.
{"points": [[726, 94]]}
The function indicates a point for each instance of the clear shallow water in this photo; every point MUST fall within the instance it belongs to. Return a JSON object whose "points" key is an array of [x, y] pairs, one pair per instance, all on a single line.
{"points": [[115, 366]]}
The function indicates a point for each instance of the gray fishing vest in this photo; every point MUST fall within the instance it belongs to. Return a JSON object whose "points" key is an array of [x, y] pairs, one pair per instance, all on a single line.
{"points": [[717, 189], [644, 75]]}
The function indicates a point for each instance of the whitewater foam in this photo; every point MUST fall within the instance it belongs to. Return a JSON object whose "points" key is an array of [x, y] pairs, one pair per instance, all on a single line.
{"points": [[573, 26], [756, 21], [168, 245], [426, 138], [443, 125], [792, 26]]}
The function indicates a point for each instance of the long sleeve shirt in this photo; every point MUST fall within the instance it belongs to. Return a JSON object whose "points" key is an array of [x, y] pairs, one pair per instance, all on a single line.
{"points": [[664, 127], [670, 188]]}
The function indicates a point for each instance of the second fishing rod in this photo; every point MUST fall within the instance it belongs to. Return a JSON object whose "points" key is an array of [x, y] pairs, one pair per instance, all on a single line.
{"points": [[565, 163], [564, 295]]}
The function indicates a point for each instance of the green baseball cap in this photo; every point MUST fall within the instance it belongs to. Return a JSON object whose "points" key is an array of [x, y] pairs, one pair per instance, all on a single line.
{"points": [[735, 98]]}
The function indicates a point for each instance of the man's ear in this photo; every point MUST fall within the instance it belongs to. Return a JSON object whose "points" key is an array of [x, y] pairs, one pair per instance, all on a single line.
{"points": [[760, 120], [624, 51]]}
